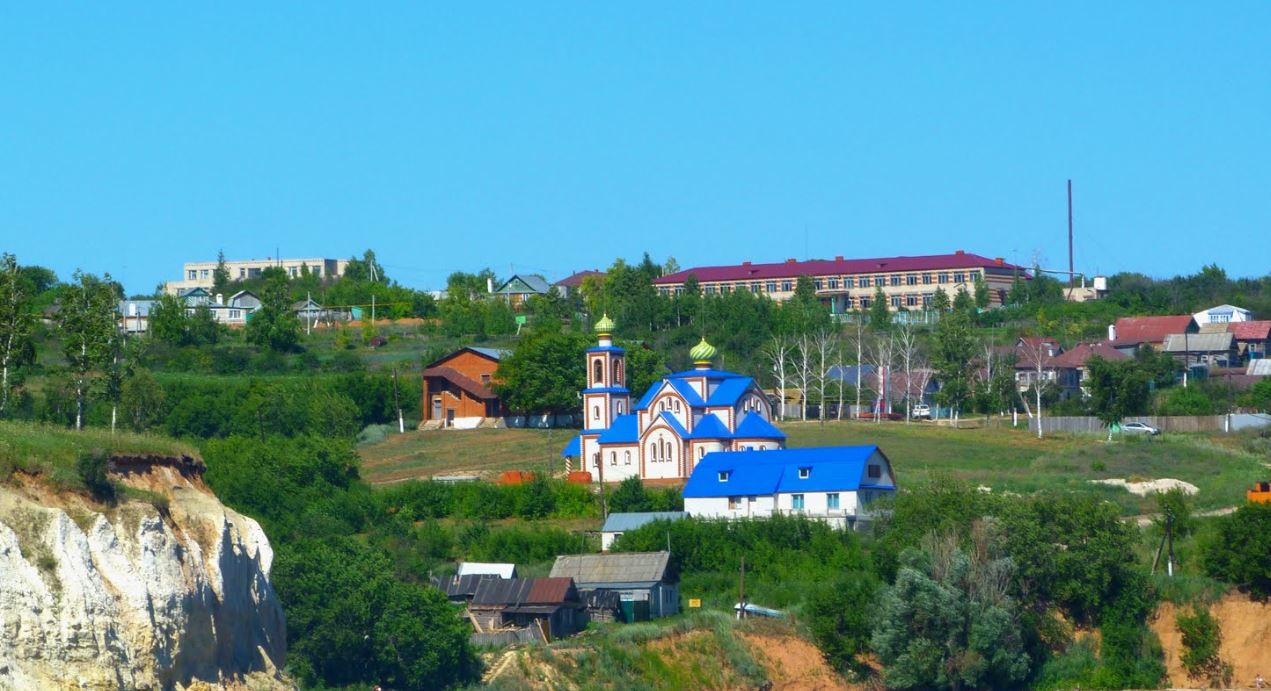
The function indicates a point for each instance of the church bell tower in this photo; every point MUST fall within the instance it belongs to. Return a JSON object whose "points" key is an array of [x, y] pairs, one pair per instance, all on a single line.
{"points": [[606, 396]]}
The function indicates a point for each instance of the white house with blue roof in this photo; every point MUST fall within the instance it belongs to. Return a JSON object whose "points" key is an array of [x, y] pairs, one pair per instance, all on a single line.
{"points": [[835, 484], [674, 425]]}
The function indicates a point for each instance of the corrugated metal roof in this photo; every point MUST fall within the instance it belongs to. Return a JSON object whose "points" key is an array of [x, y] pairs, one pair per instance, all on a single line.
{"points": [[754, 426], [827, 267], [1259, 368], [552, 590], [573, 447], [495, 592], [1198, 343], [622, 522], [1251, 330], [465, 586], [769, 472], [616, 567], [1135, 330]]}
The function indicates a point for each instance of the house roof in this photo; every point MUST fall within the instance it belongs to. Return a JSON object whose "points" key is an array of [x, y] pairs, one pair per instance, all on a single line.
{"points": [[1259, 368], [622, 522], [754, 426], [1028, 348], [461, 586], [470, 568], [729, 391], [531, 283], [1198, 343], [523, 591], [1082, 352], [614, 567], [820, 267], [1223, 309], [1135, 330], [143, 307], [1250, 330], [770, 472], [495, 354], [307, 303], [575, 280], [469, 385], [710, 427]]}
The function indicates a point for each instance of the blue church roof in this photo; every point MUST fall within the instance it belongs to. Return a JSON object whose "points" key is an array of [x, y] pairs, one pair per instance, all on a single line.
{"points": [[673, 423], [711, 427], [573, 448], [753, 426], [625, 430], [768, 472], [729, 391]]}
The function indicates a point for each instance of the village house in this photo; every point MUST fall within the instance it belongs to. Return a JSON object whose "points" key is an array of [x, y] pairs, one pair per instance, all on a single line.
{"points": [[203, 274], [1129, 334], [832, 484], [521, 287], [1209, 349], [233, 312], [134, 316], [618, 523], [1072, 367], [677, 422], [845, 285], [456, 390], [1031, 351], [1253, 339], [571, 284], [1223, 314], [545, 608], [646, 587]]}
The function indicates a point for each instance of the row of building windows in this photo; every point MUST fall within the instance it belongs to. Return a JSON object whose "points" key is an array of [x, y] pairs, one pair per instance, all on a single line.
{"points": [[797, 502], [838, 283]]}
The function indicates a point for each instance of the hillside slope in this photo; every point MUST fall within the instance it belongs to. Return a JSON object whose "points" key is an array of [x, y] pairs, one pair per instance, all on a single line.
{"points": [[167, 589]]}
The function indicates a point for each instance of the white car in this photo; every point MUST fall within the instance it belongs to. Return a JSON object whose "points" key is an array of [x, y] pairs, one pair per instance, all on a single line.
{"points": [[1139, 428], [922, 411]]}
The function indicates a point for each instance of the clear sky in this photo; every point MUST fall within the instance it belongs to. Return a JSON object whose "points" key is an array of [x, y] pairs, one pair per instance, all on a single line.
{"points": [[549, 137]]}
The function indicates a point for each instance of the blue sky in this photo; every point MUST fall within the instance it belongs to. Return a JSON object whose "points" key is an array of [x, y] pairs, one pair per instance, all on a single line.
{"points": [[549, 137]]}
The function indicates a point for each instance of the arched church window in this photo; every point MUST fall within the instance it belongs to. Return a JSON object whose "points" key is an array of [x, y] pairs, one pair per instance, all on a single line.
{"points": [[617, 372], [598, 372], [626, 458], [613, 458], [595, 410]]}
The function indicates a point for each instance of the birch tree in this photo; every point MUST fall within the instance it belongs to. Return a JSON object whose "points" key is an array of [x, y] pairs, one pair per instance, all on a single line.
{"points": [[804, 371], [826, 345], [858, 340], [882, 355], [780, 352], [907, 350], [15, 325], [87, 325], [1038, 353]]}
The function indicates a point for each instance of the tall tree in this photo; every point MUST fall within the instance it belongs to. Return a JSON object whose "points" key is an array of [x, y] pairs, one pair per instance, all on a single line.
{"points": [[981, 293], [779, 351], [940, 302], [1117, 390], [910, 359], [544, 374], [274, 325], [15, 324], [952, 351], [220, 275], [88, 325], [879, 311]]}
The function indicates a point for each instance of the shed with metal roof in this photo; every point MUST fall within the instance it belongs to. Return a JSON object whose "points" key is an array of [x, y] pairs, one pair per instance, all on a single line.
{"points": [[646, 586]]}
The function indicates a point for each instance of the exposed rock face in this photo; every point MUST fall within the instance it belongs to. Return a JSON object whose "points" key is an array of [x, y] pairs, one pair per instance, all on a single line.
{"points": [[134, 597]]}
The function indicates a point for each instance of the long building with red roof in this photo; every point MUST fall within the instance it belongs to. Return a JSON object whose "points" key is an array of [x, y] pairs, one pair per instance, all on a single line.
{"points": [[850, 284]]}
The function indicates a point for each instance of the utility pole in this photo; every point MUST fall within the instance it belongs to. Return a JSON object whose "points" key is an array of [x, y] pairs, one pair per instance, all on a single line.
{"points": [[600, 471], [741, 590], [1071, 274], [401, 422]]}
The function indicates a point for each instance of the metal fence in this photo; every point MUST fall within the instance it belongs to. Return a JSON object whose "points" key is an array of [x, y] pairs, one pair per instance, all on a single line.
{"points": [[1171, 423]]}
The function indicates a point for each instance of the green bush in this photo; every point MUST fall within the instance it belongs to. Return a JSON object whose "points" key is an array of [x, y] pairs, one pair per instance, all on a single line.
{"points": [[1237, 550], [91, 468], [1201, 641]]}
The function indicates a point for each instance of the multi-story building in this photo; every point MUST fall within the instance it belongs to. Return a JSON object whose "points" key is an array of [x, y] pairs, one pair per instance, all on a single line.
{"points": [[200, 274], [850, 284]]}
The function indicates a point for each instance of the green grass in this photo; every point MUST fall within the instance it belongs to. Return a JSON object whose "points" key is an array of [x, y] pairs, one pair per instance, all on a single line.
{"points": [[1001, 458], [52, 451], [1010, 460]]}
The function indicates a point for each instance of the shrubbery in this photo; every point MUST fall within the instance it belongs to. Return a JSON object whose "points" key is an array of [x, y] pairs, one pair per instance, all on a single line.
{"points": [[1237, 551]]}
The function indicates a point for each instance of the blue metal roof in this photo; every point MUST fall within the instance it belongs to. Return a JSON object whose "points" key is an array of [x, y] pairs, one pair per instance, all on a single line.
{"points": [[830, 468], [605, 349], [625, 430], [620, 522], [607, 389], [711, 427], [573, 448], [708, 373], [754, 426], [729, 391], [688, 392], [852, 374]]}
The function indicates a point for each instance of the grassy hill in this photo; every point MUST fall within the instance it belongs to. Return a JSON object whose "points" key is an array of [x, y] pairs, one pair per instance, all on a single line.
{"points": [[53, 451], [1000, 458]]}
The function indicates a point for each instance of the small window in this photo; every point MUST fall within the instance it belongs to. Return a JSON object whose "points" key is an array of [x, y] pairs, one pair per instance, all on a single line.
{"points": [[626, 458], [895, 301], [796, 501], [804, 473], [849, 282], [485, 378], [597, 372], [595, 410], [875, 471], [926, 279], [832, 500], [734, 503], [613, 458], [895, 279], [865, 281], [787, 286], [194, 274], [771, 286], [723, 476]]}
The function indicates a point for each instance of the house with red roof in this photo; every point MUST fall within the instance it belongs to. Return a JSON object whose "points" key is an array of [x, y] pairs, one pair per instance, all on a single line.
{"points": [[457, 391], [1073, 367], [571, 284], [1253, 338], [1128, 334], [845, 285]]}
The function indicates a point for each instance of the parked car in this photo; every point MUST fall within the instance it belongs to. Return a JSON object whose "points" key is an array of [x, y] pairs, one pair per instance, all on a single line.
{"points": [[922, 411], [1139, 428]]}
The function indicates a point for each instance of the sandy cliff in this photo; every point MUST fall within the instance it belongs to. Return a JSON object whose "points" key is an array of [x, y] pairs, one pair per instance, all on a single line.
{"points": [[168, 593]]}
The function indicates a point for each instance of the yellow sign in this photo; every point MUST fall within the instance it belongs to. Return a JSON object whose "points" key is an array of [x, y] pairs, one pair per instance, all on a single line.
{"points": [[694, 602]]}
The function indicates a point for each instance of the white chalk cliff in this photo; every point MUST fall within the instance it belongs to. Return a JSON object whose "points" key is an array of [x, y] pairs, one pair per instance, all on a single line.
{"points": [[141, 595]]}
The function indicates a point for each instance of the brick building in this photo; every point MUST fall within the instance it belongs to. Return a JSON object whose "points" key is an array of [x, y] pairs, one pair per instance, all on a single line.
{"points": [[457, 389]]}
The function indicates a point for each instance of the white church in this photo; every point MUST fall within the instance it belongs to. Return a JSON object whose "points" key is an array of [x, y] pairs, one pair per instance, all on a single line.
{"points": [[674, 425]]}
